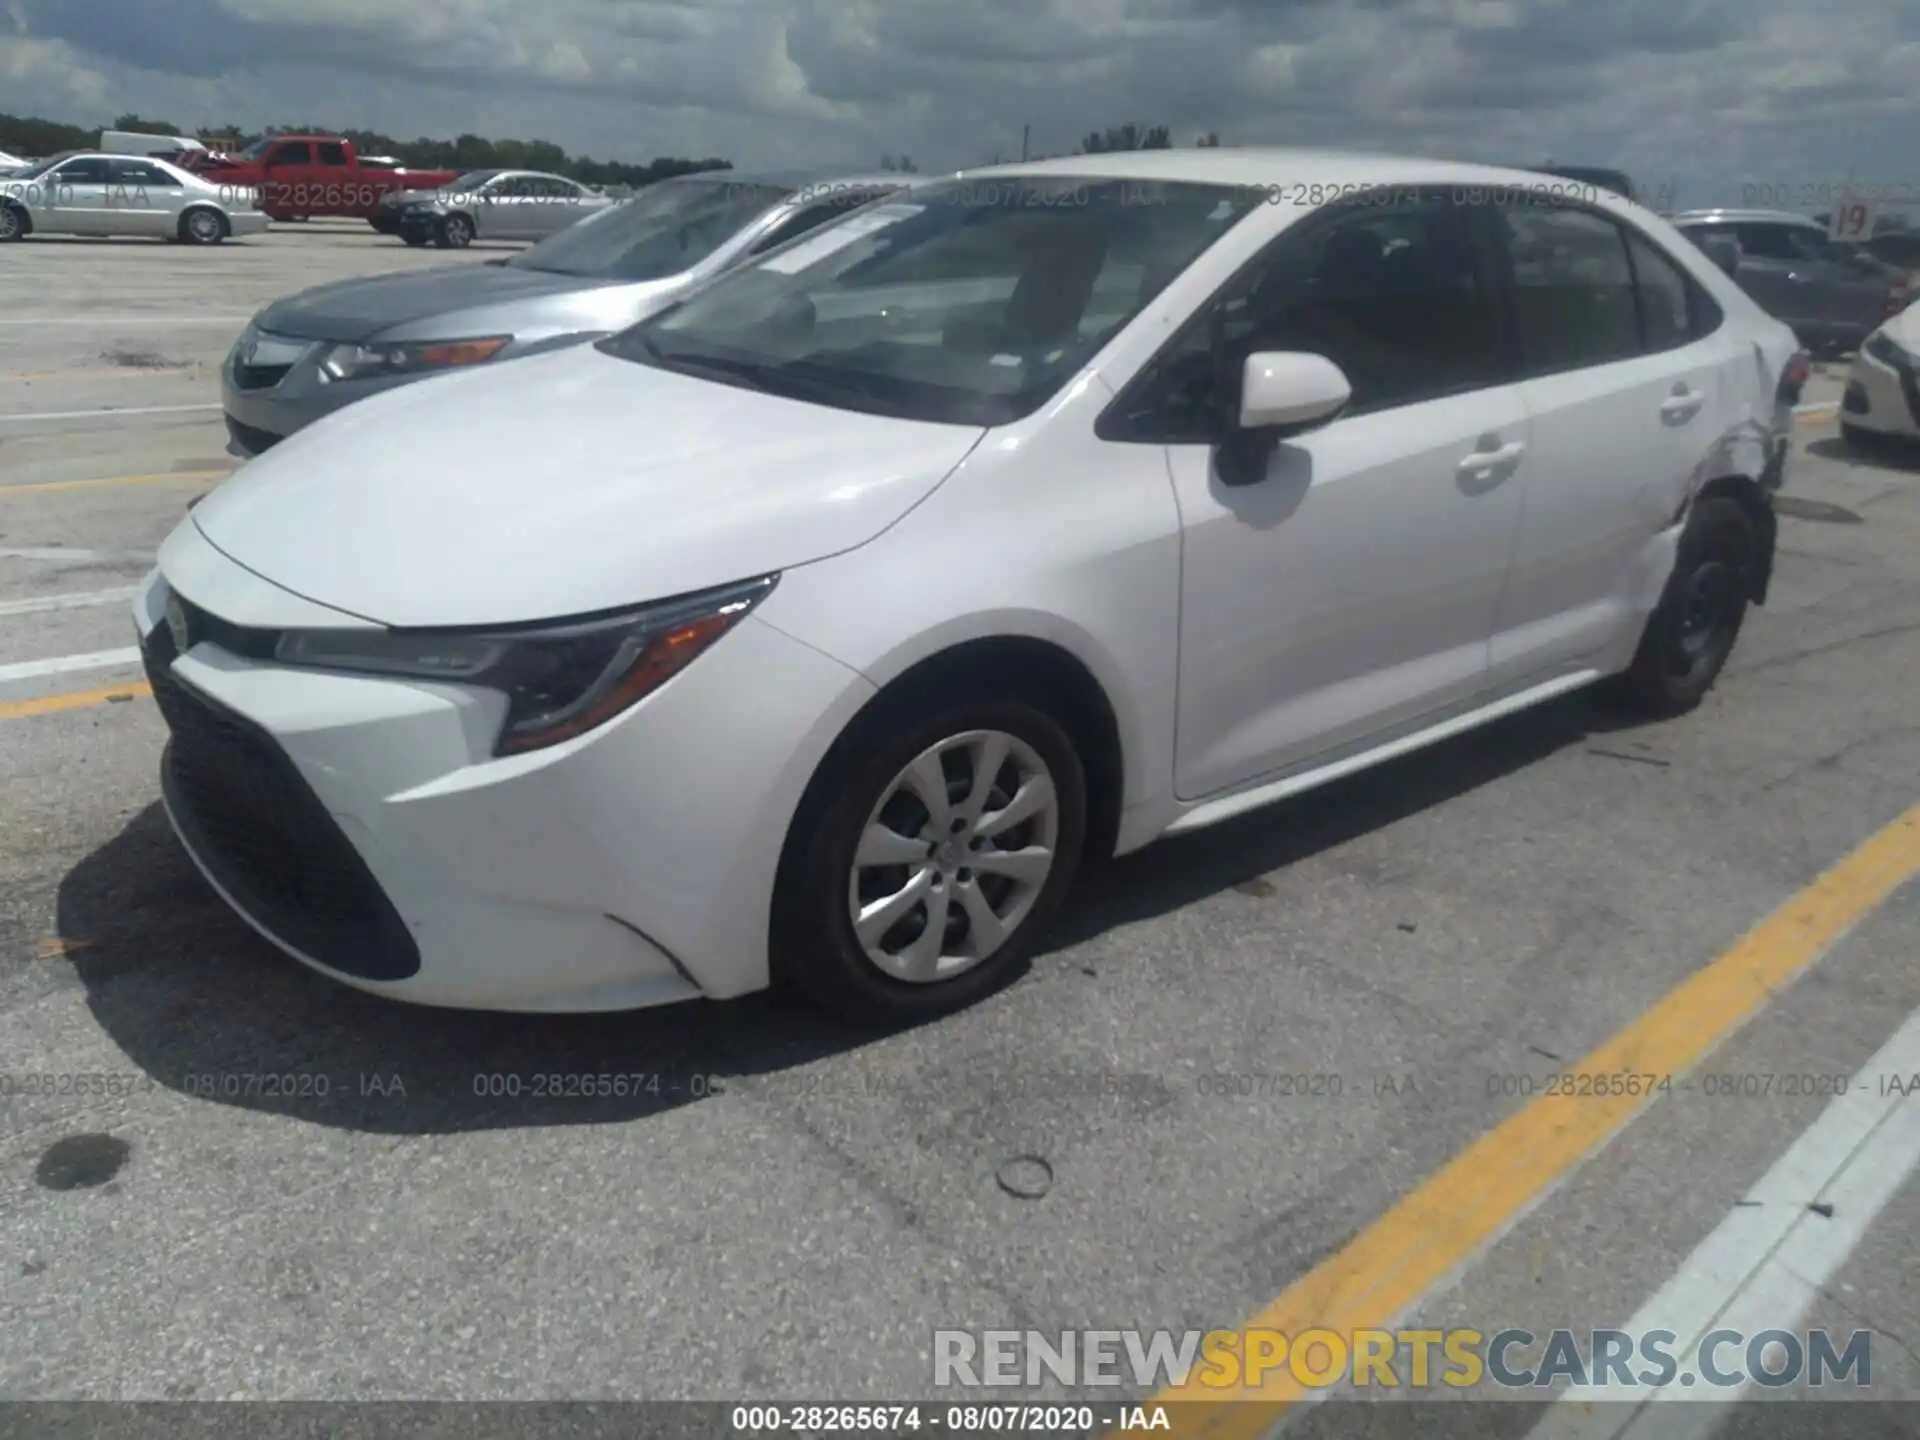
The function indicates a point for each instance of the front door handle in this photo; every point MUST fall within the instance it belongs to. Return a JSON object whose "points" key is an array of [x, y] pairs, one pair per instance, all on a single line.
{"points": [[1683, 405], [1485, 462]]}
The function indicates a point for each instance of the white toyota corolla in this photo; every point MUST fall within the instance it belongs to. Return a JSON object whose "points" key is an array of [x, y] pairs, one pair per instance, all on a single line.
{"points": [[812, 631]]}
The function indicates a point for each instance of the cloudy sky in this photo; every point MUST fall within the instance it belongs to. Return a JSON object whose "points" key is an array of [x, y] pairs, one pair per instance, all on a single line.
{"points": [[1706, 96]]}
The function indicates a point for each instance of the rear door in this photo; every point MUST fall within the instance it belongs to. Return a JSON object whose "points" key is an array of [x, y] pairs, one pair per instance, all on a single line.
{"points": [[332, 184], [1626, 381], [288, 178], [142, 197]]}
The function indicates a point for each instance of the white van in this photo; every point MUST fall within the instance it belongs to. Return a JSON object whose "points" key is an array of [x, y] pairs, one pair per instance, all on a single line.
{"points": [[128, 142]]}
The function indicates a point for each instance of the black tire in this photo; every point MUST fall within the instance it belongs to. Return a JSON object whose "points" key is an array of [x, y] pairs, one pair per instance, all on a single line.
{"points": [[203, 227], [814, 951], [14, 223], [1693, 629], [414, 237], [384, 227], [454, 232]]}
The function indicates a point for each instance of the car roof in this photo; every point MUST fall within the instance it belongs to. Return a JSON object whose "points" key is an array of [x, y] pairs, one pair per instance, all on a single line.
{"points": [[1733, 215], [797, 179], [1266, 166]]}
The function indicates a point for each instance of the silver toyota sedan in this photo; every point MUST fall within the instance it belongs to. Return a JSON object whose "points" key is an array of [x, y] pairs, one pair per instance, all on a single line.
{"points": [[87, 193], [489, 205], [313, 353]]}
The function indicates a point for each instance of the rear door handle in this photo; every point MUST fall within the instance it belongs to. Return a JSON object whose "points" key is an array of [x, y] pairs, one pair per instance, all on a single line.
{"points": [[1484, 462], [1683, 406]]}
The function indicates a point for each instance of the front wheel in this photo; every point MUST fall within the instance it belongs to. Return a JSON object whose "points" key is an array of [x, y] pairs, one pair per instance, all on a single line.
{"points": [[455, 232], [1692, 631], [13, 223], [930, 856]]}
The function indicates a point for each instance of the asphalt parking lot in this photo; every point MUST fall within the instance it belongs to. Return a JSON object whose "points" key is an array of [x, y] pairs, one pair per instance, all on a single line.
{"points": [[302, 1192]]}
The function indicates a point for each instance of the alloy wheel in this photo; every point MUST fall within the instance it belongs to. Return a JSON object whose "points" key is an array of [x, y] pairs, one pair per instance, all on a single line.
{"points": [[204, 225], [954, 856]]}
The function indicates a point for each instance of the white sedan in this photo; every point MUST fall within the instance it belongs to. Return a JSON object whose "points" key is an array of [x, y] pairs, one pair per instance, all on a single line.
{"points": [[813, 631], [1883, 384], [94, 194]]}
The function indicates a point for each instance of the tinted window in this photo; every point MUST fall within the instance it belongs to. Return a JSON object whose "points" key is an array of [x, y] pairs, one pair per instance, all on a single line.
{"points": [[1669, 315], [1573, 291], [140, 172], [299, 153], [332, 153], [969, 303], [90, 171], [1767, 242]]}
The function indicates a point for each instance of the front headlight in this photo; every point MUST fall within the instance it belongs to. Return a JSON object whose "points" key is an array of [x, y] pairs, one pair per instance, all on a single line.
{"points": [[560, 679], [1884, 348], [407, 357]]}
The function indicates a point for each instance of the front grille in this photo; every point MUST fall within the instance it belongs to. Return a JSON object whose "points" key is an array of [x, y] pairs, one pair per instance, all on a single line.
{"points": [[249, 816], [250, 439], [258, 377]]}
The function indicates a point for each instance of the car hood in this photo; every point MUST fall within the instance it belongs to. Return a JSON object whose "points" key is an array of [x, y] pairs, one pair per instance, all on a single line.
{"points": [[359, 309], [562, 485]]}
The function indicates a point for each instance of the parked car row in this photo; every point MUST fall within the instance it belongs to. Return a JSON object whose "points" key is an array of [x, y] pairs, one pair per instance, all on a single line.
{"points": [[813, 627]]}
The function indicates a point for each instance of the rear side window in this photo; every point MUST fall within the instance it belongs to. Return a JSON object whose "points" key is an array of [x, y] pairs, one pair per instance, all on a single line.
{"points": [[332, 153], [1573, 288], [143, 173], [1674, 310]]}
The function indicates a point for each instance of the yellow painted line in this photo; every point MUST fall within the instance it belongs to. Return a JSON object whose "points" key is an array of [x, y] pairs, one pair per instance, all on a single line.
{"points": [[1815, 417], [74, 700], [1468, 1203], [58, 947], [43, 487]]}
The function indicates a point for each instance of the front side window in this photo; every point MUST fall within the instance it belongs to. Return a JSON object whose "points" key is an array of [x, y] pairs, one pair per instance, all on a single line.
{"points": [[1397, 295], [298, 153], [90, 170], [666, 229], [1767, 242], [1573, 288], [964, 302]]}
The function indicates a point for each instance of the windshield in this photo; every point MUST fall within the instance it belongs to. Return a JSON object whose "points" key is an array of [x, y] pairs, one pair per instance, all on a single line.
{"points": [[473, 179], [257, 149], [969, 302], [666, 229]]}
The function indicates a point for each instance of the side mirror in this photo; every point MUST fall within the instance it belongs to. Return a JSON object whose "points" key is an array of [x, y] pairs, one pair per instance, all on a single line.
{"points": [[1282, 393], [1290, 391], [1724, 251]]}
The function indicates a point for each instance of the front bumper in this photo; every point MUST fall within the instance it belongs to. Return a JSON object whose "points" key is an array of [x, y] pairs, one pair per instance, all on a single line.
{"points": [[363, 825], [248, 222], [1882, 397]]}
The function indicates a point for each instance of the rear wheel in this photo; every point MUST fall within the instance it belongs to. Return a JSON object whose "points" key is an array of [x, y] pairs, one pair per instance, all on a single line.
{"points": [[933, 850], [13, 223], [1692, 631], [455, 232], [203, 227], [414, 236]]}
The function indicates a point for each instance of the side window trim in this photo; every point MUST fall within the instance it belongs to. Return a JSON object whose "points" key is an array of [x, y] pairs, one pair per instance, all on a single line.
{"points": [[1117, 425]]}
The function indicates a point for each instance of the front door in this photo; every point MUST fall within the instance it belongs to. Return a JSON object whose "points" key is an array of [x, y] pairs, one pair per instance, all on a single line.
{"points": [[1349, 592], [76, 196]]}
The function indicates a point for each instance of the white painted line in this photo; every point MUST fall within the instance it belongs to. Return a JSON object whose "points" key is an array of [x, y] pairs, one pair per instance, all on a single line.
{"points": [[30, 415], [92, 557], [128, 320], [79, 600], [1764, 1266], [67, 664]]}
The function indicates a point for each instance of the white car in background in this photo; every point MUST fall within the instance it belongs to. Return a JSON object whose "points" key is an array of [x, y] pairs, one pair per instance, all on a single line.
{"points": [[1883, 384], [812, 630], [87, 193]]}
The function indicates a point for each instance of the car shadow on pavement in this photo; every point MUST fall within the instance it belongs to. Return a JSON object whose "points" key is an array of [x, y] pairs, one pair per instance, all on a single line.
{"points": [[1885, 453], [206, 1007]]}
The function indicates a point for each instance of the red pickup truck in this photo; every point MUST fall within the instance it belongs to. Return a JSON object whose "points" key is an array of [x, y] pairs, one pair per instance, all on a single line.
{"points": [[297, 176]]}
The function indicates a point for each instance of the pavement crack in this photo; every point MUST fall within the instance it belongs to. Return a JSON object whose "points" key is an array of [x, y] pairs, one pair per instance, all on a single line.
{"points": [[1807, 652], [1855, 1313]]}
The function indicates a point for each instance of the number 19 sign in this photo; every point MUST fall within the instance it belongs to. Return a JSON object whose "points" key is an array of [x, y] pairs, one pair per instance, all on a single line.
{"points": [[1852, 219]]}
